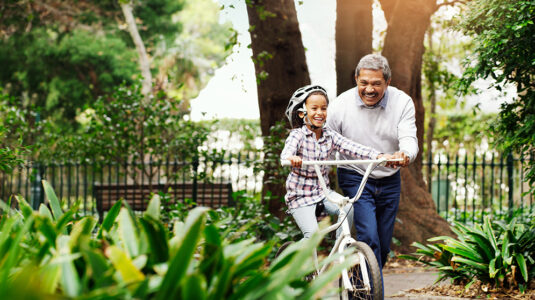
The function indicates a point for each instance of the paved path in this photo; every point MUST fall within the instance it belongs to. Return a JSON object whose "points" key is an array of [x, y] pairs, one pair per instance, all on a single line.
{"points": [[397, 285]]}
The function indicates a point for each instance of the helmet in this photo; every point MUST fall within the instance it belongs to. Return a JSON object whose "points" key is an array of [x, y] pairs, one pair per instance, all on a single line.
{"points": [[299, 96]]}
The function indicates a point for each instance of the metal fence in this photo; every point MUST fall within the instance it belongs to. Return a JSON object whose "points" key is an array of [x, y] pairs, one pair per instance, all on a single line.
{"points": [[468, 187], [464, 188], [76, 182]]}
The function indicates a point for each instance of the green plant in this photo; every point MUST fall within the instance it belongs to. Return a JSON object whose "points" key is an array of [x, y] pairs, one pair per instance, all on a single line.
{"points": [[502, 32], [249, 218], [51, 253], [495, 252]]}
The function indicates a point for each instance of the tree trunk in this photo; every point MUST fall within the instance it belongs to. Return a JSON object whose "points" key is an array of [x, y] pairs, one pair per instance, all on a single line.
{"points": [[144, 63], [433, 103], [408, 21], [280, 68], [354, 27]]}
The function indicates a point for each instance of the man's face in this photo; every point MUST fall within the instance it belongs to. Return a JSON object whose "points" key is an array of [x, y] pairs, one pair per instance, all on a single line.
{"points": [[371, 86]]}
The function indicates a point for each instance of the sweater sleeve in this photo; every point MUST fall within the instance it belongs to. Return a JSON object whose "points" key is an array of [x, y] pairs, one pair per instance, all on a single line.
{"points": [[408, 142]]}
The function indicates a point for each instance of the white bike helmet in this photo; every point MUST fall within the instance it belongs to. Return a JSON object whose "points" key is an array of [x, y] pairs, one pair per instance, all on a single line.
{"points": [[299, 97]]}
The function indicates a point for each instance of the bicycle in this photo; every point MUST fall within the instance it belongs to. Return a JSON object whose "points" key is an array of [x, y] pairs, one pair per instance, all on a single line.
{"points": [[363, 280]]}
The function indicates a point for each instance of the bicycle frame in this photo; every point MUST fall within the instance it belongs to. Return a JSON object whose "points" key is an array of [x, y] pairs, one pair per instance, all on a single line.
{"points": [[344, 236]]}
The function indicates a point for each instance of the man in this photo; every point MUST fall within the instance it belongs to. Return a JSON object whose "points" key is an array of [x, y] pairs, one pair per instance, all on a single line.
{"points": [[380, 116]]}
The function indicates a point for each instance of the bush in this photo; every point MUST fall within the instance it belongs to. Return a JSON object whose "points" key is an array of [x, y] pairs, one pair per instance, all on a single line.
{"points": [[56, 254], [499, 253]]}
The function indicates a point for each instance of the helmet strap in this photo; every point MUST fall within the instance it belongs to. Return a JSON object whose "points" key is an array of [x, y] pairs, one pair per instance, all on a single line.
{"points": [[308, 122]]}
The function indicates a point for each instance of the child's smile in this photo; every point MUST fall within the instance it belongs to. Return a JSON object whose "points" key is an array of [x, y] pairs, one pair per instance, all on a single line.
{"points": [[316, 107]]}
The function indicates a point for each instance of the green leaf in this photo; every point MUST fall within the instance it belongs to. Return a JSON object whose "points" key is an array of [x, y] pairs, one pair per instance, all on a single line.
{"points": [[70, 281], [50, 276], [153, 208], [194, 287], [128, 233], [47, 229], [487, 228], [124, 265], [52, 199], [157, 238], [472, 263], [14, 252], [521, 261], [110, 218], [25, 208], [181, 260], [96, 263], [465, 250], [322, 281], [492, 268], [43, 210]]}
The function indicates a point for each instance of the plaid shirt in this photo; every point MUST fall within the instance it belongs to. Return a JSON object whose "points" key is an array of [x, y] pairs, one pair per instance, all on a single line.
{"points": [[302, 184]]}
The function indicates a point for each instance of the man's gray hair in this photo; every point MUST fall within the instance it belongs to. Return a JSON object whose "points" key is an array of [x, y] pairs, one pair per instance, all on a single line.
{"points": [[374, 62]]}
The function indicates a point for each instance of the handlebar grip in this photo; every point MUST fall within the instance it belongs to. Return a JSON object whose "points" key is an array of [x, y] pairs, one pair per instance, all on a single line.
{"points": [[285, 162]]}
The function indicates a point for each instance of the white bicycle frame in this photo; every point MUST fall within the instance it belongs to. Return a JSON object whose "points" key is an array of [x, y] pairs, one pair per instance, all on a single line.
{"points": [[344, 236]]}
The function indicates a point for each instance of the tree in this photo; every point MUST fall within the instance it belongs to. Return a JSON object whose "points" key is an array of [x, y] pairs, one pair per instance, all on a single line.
{"points": [[408, 22], [280, 68], [503, 32], [354, 27], [143, 58]]}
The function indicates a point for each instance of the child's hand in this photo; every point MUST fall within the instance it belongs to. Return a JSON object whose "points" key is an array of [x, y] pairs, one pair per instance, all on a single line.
{"points": [[296, 161]]}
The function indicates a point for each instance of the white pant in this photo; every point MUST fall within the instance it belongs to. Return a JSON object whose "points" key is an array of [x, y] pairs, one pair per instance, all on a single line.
{"points": [[305, 217]]}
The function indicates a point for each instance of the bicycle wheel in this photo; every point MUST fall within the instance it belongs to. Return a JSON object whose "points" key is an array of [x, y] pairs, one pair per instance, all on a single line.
{"points": [[283, 246], [370, 287]]}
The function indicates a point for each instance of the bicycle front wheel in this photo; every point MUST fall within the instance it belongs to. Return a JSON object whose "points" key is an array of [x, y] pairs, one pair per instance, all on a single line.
{"points": [[364, 277]]}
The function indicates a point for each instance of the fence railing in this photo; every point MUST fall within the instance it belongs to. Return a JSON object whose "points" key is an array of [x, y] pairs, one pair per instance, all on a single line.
{"points": [[75, 182], [465, 188]]}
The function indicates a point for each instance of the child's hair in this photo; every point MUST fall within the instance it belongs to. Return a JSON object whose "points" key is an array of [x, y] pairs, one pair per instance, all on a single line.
{"points": [[298, 122]]}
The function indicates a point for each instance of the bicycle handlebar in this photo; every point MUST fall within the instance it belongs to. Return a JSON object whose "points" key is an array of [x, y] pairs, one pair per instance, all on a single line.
{"points": [[341, 162]]}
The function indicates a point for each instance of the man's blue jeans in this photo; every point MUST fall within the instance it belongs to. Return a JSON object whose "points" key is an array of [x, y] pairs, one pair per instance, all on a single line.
{"points": [[375, 211]]}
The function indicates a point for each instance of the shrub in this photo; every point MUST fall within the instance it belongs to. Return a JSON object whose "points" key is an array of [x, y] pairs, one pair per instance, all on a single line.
{"points": [[52, 253], [499, 253]]}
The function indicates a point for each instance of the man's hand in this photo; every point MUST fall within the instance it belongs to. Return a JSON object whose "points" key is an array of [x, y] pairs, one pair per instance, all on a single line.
{"points": [[395, 164], [402, 155], [296, 161], [390, 164]]}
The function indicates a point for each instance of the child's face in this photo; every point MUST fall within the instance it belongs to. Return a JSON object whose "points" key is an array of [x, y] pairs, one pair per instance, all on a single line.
{"points": [[316, 106]]}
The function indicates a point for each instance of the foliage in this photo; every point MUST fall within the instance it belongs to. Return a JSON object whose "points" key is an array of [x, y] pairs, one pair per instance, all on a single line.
{"points": [[249, 218], [55, 254], [59, 56], [121, 128], [462, 130], [200, 48], [503, 34], [60, 72], [10, 156], [273, 145], [496, 252]]}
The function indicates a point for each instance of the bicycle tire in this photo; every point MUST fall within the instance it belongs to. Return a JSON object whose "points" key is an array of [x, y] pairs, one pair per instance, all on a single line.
{"points": [[355, 276], [282, 247]]}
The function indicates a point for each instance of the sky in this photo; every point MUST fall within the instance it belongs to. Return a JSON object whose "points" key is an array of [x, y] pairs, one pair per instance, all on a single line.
{"points": [[231, 93]]}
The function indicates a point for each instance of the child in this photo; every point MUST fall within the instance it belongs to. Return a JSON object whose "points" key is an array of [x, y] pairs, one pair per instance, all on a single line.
{"points": [[309, 140]]}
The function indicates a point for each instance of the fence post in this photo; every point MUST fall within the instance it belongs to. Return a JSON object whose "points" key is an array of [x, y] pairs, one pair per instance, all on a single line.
{"points": [[510, 182], [37, 193], [195, 185]]}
